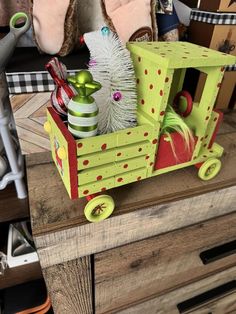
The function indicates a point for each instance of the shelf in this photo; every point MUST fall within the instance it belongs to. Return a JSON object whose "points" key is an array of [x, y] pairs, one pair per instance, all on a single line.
{"points": [[20, 274], [12, 208]]}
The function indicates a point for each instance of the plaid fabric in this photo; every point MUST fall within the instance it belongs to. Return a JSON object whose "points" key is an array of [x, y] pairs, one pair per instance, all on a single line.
{"points": [[213, 18], [231, 67], [31, 82]]}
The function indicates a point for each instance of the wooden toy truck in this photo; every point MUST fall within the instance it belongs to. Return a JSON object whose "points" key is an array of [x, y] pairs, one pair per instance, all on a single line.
{"points": [[90, 166]]}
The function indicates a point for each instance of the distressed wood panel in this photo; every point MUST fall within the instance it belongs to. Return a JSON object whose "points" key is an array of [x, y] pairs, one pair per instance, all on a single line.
{"points": [[70, 287], [167, 303], [86, 239], [133, 272]]}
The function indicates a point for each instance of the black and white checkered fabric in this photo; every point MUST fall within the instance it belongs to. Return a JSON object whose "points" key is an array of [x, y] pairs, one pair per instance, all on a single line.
{"points": [[31, 82], [231, 67], [213, 18]]}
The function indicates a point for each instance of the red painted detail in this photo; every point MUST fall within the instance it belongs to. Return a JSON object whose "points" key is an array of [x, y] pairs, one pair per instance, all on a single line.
{"points": [[189, 103], [159, 72], [207, 118], [118, 154], [140, 149], [165, 155], [145, 134], [142, 101], [128, 133], [139, 178], [206, 136], [166, 79], [80, 145], [146, 72], [72, 153], [104, 146], [215, 119], [137, 81], [103, 189], [220, 119], [99, 178], [86, 192], [125, 166], [153, 110], [198, 165], [119, 179], [151, 163], [147, 157], [162, 113], [91, 196], [151, 86], [154, 141], [85, 162], [161, 92]]}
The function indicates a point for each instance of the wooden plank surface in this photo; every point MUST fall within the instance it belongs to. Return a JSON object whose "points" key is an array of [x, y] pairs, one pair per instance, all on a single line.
{"points": [[17, 275], [52, 210], [167, 303], [134, 272], [70, 286], [12, 208], [86, 239]]}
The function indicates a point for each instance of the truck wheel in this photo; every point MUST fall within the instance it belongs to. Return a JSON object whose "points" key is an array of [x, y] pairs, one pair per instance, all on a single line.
{"points": [[99, 208], [209, 169]]}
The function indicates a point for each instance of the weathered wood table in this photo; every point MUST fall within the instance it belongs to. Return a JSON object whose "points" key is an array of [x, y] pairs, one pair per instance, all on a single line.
{"points": [[169, 247]]}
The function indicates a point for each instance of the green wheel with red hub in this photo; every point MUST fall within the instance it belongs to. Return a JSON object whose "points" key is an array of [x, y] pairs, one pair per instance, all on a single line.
{"points": [[209, 169], [99, 208]]}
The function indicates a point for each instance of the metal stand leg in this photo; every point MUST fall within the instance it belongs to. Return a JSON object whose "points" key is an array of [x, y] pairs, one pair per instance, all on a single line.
{"points": [[16, 173]]}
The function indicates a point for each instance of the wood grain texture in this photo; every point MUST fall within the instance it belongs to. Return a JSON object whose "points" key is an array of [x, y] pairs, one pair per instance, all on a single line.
{"points": [[70, 287], [52, 210], [17, 275], [167, 303], [12, 208], [67, 244], [133, 272], [29, 112], [224, 305]]}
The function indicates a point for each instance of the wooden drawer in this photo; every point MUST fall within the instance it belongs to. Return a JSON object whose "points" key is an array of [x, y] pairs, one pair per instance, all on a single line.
{"points": [[132, 273], [215, 294]]}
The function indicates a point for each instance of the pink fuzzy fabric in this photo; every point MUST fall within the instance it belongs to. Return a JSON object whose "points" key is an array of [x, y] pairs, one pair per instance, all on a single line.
{"points": [[48, 21], [129, 16]]}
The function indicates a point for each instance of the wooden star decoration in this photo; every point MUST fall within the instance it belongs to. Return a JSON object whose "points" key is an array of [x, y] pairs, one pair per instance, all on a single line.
{"points": [[231, 2]]}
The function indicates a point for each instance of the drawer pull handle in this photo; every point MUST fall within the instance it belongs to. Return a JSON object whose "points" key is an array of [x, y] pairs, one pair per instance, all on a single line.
{"points": [[206, 297], [218, 252]]}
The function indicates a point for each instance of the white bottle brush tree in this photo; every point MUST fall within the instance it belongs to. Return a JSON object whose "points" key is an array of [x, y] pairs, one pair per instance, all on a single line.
{"points": [[111, 65]]}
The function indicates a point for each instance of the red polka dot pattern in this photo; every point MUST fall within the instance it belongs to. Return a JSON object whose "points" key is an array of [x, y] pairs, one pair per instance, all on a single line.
{"points": [[147, 157], [145, 134], [118, 154], [86, 192], [99, 178], [166, 79], [153, 110], [103, 189], [140, 149], [151, 163], [142, 101], [104, 146], [137, 81], [154, 141], [151, 86], [125, 166], [162, 114], [161, 92], [207, 118], [85, 162], [139, 178], [119, 179], [146, 72], [128, 133], [80, 145]]}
